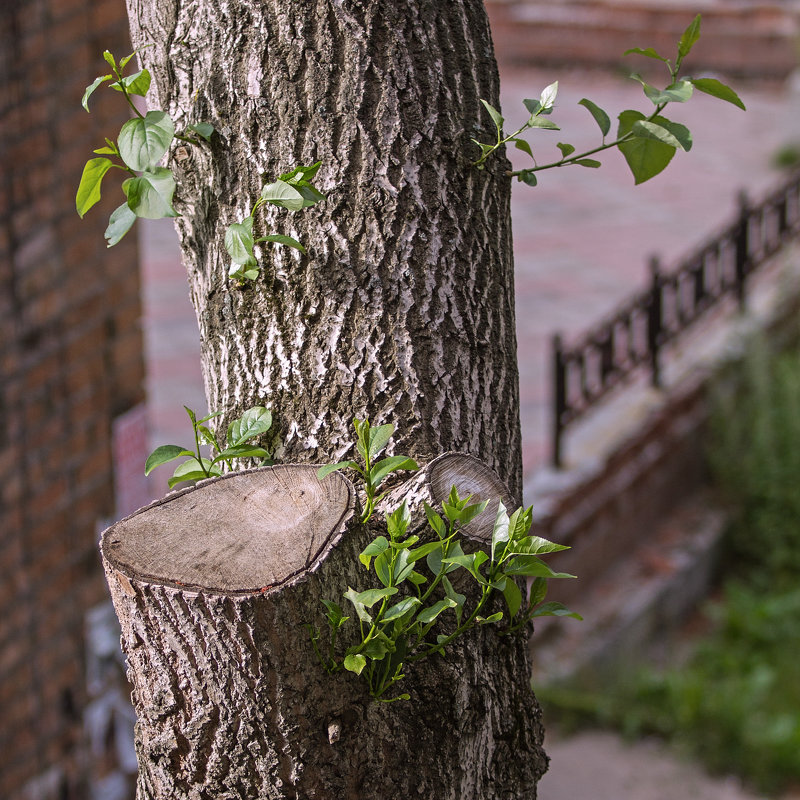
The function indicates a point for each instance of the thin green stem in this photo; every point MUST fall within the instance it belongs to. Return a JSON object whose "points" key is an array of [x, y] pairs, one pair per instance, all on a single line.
{"points": [[126, 95]]}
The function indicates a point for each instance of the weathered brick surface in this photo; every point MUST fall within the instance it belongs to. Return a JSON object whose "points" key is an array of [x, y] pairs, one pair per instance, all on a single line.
{"points": [[70, 362]]}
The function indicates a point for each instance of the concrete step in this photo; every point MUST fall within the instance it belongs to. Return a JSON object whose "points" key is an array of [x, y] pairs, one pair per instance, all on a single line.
{"points": [[645, 596]]}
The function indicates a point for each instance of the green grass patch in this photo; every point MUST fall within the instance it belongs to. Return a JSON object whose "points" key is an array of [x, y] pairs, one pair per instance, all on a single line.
{"points": [[735, 703]]}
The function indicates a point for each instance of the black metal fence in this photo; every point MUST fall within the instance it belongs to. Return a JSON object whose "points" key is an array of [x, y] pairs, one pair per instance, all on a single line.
{"points": [[633, 337]]}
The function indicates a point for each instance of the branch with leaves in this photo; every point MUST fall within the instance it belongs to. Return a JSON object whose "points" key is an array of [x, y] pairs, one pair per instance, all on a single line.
{"points": [[142, 144], [370, 443], [647, 141], [413, 602], [292, 191], [239, 443]]}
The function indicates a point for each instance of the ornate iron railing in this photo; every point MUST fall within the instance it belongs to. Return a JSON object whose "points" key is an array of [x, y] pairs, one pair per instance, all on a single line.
{"points": [[633, 337]]}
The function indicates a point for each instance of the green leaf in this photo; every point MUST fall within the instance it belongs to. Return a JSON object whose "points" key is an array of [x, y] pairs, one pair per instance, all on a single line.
{"points": [[123, 62], [645, 157], [241, 274], [239, 242], [435, 563], [496, 116], [678, 92], [435, 521], [555, 609], [241, 451], [150, 195], [538, 591], [374, 548], [361, 611], [651, 130], [397, 524], [164, 454], [143, 141], [489, 620], [323, 472], [311, 195], [89, 188], [536, 546], [138, 83], [472, 563], [533, 106], [456, 597], [388, 465], [362, 437], [335, 615], [513, 597], [566, 149], [203, 129], [301, 174], [541, 122], [109, 59], [279, 238], [378, 439], [372, 596], [189, 471], [600, 117], [647, 51], [400, 609], [355, 663], [523, 145], [119, 223], [532, 567], [431, 613], [527, 176], [91, 87], [383, 568], [252, 423], [283, 195], [718, 89], [548, 96], [500, 530], [403, 566], [422, 551], [377, 647], [680, 132], [417, 578], [588, 162], [690, 36]]}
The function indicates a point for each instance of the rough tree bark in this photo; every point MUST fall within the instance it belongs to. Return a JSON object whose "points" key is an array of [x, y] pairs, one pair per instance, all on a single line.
{"points": [[403, 308], [403, 311], [213, 587]]}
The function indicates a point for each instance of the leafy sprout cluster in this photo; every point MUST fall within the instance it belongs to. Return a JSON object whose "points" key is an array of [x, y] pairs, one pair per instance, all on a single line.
{"points": [[647, 141], [417, 611], [370, 443], [142, 144], [239, 443]]}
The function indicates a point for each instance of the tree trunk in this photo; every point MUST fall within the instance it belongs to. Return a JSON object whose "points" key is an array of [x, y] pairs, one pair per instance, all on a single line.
{"points": [[403, 312], [213, 587], [403, 309]]}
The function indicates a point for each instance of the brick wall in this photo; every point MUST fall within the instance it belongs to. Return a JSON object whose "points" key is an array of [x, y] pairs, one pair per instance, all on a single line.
{"points": [[70, 363]]}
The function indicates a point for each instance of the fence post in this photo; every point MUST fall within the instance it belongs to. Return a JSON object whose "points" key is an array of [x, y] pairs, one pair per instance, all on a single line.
{"points": [[655, 321], [559, 398], [742, 250]]}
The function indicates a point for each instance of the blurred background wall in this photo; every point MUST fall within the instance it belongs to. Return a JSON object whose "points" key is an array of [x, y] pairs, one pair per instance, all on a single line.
{"points": [[71, 393]]}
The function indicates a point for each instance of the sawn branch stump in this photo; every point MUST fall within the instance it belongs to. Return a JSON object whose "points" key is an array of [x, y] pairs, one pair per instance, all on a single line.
{"points": [[214, 587]]}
